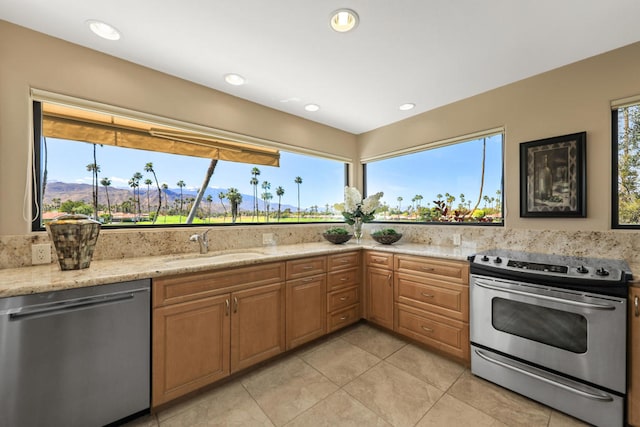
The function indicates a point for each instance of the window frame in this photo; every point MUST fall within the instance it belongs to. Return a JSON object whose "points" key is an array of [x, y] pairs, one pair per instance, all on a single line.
{"points": [[435, 145], [37, 224], [615, 205]]}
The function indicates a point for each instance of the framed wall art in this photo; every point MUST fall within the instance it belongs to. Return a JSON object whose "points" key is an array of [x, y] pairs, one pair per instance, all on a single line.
{"points": [[553, 177]]}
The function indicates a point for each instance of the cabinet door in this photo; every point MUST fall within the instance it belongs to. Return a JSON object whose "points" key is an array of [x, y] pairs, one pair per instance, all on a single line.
{"points": [[380, 296], [634, 353], [257, 325], [306, 309], [190, 346]]}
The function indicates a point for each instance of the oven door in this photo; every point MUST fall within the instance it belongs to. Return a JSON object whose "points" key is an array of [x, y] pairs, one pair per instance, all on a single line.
{"points": [[580, 335]]}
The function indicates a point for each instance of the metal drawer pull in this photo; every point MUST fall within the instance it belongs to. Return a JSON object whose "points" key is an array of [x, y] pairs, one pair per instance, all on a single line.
{"points": [[307, 267], [344, 261], [427, 329], [344, 279], [344, 317], [547, 298], [235, 304], [307, 280], [428, 268], [344, 298], [636, 303], [379, 260], [389, 280], [593, 396], [226, 302], [426, 295]]}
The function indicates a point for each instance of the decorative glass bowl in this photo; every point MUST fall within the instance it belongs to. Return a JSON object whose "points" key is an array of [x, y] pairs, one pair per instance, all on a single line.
{"points": [[337, 238], [386, 239]]}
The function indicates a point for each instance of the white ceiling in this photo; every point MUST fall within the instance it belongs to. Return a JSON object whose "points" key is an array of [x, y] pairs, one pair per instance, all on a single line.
{"points": [[427, 52]]}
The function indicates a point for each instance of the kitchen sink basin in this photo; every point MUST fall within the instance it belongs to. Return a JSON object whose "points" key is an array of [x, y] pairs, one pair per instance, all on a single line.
{"points": [[211, 257]]}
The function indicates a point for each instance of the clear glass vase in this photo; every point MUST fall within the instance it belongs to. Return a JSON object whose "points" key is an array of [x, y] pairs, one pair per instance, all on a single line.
{"points": [[357, 229]]}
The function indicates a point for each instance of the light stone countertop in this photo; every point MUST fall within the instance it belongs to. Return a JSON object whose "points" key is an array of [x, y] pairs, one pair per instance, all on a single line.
{"points": [[47, 278]]}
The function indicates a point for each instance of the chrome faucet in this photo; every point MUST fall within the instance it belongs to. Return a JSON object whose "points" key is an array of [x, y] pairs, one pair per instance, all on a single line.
{"points": [[203, 240]]}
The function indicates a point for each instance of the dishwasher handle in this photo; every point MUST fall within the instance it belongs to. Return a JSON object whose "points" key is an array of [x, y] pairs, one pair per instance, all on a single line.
{"points": [[68, 306]]}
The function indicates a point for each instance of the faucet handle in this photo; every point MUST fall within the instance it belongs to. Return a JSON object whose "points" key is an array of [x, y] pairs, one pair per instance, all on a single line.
{"points": [[194, 238]]}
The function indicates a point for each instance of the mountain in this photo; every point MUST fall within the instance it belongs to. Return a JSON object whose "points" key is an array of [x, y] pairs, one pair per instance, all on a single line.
{"points": [[83, 192]]}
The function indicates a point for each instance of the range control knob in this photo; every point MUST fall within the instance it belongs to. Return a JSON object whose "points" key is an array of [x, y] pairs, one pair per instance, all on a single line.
{"points": [[602, 272], [498, 260], [485, 258], [582, 269]]}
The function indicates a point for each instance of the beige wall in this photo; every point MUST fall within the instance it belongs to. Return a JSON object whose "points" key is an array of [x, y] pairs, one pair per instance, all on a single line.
{"points": [[571, 99], [32, 60], [567, 100]]}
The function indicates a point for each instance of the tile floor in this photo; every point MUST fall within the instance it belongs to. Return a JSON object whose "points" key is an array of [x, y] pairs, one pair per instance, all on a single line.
{"points": [[361, 376]]}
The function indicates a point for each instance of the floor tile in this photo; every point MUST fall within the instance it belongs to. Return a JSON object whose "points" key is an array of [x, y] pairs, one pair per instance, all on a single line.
{"points": [[374, 340], [500, 403], [340, 361], [144, 421], [451, 412], [393, 394], [287, 388], [558, 419], [338, 410], [427, 366], [229, 405]]}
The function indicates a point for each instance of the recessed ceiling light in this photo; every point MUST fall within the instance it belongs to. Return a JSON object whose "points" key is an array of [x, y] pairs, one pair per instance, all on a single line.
{"points": [[103, 30], [407, 106], [343, 20], [234, 79], [312, 107]]}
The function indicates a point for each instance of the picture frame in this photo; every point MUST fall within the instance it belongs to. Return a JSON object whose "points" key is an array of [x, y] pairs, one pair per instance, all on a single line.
{"points": [[553, 177]]}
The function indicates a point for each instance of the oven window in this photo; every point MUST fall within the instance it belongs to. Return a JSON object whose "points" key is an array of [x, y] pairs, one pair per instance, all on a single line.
{"points": [[556, 328]]}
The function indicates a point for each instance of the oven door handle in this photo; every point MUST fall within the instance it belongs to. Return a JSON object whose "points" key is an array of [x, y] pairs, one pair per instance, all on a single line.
{"points": [[547, 297], [603, 397]]}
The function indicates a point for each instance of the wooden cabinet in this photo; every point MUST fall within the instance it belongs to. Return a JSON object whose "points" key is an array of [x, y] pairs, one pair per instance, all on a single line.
{"points": [[306, 293], [343, 300], [207, 325], [432, 303], [633, 404], [257, 325], [190, 346], [379, 288]]}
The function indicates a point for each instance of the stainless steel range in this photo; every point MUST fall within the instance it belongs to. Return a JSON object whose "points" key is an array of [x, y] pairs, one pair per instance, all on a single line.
{"points": [[552, 328]]}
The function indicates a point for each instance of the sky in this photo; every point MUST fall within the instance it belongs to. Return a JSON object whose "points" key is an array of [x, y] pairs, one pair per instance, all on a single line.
{"points": [[454, 169]]}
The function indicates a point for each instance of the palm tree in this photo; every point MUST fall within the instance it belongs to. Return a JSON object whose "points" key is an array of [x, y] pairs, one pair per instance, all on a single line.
{"points": [[400, 204], [106, 182], [222, 196], [235, 198], [209, 200], [148, 183], [266, 186], [94, 169], [165, 188], [137, 177], [181, 184], [149, 168], [255, 172], [203, 189], [298, 181], [134, 183], [279, 193]]}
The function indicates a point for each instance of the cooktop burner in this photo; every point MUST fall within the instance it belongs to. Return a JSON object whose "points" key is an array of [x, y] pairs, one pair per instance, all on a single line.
{"points": [[593, 274]]}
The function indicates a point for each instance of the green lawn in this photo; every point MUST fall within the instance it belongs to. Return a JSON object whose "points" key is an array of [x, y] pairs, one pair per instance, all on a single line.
{"points": [[245, 219]]}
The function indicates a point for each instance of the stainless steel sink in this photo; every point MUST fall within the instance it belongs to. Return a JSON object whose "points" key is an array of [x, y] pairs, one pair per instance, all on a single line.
{"points": [[212, 257]]}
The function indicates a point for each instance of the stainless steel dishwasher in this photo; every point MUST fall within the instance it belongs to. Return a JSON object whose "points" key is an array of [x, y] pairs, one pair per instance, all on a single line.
{"points": [[78, 357]]}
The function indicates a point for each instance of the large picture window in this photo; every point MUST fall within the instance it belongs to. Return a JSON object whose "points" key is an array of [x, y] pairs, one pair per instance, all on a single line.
{"points": [[111, 170], [626, 165], [454, 182]]}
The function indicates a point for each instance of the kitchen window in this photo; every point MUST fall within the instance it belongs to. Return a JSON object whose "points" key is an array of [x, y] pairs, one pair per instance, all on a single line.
{"points": [[625, 125], [458, 181], [128, 172]]}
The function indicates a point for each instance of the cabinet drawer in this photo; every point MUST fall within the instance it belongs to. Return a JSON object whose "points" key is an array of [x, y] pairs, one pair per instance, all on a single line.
{"points": [[306, 267], [342, 279], [343, 298], [437, 296], [342, 318], [340, 261], [379, 259], [187, 287], [447, 335], [455, 271]]}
